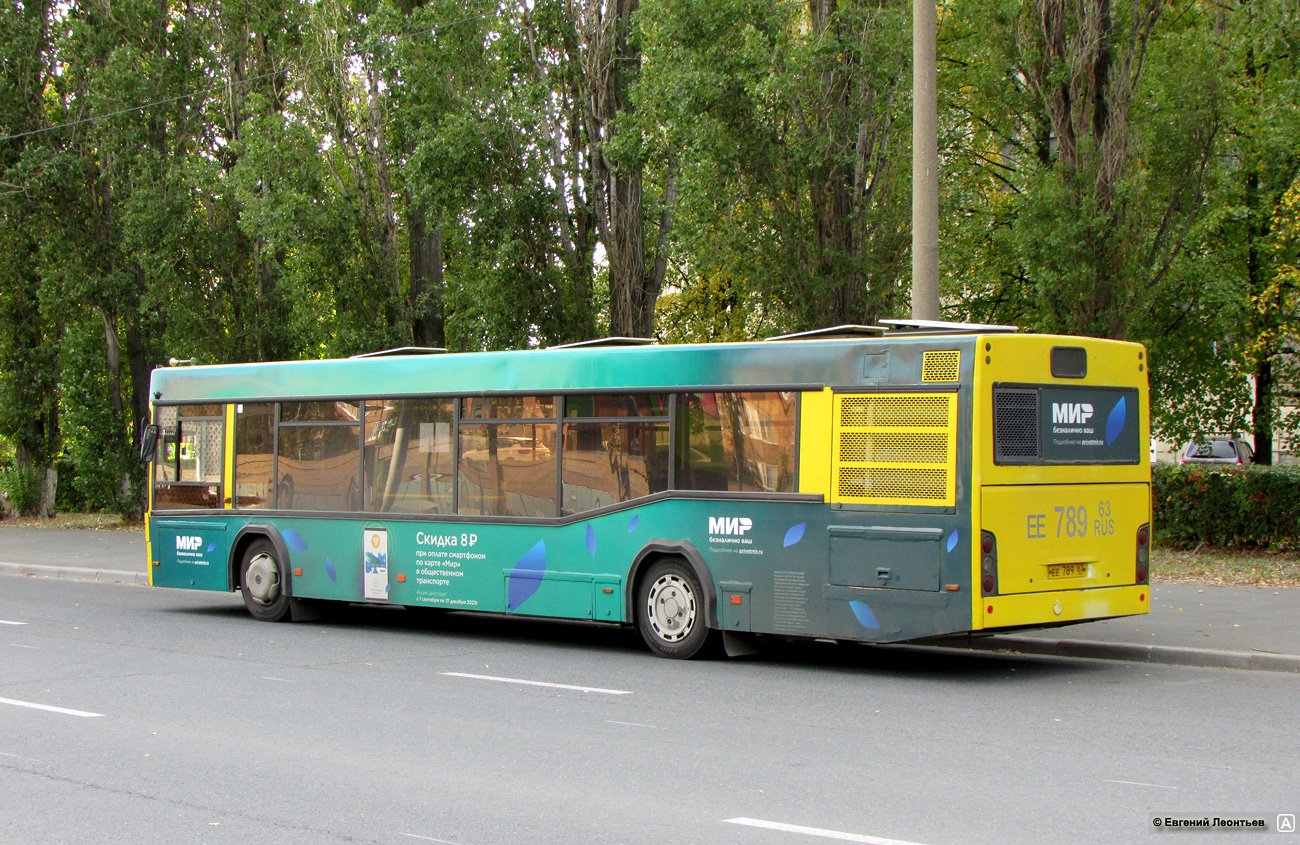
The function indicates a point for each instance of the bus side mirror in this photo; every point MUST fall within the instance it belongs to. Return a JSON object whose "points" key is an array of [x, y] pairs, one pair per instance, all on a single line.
{"points": [[148, 443]]}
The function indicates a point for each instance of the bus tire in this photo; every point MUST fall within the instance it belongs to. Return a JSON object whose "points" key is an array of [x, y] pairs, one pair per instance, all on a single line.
{"points": [[262, 582], [671, 611]]}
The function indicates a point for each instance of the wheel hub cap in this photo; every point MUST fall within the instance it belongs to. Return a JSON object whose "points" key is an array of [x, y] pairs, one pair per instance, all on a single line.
{"points": [[263, 579], [671, 606]]}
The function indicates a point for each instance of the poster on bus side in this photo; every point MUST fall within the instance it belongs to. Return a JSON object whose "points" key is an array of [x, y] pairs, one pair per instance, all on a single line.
{"points": [[375, 551]]}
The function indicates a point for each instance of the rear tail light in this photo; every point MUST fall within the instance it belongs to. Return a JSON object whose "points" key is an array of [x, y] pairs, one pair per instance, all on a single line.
{"points": [[1143, 553], [988, 563]]}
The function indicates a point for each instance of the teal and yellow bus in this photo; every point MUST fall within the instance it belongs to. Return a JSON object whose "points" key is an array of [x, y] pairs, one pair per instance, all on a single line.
{"points": [[860, 484]]}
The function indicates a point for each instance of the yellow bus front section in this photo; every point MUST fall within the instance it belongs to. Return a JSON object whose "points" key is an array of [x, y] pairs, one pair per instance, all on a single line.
{"points": [[1065, 537]]}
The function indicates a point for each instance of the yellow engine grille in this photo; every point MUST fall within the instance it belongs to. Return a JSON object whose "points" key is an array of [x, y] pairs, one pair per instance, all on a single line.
{"points": [[872, 410], [892, 448], [941, 366]]}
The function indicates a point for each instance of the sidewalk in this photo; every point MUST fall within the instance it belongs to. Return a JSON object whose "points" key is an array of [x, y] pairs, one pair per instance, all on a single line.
{"points": [[1222, 627], [1191, 625], [75, 554]]}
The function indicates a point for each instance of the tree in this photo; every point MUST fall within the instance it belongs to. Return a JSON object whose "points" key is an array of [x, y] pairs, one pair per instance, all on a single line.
{"points": [[792, 174], [29, 335], [1081, 169]]}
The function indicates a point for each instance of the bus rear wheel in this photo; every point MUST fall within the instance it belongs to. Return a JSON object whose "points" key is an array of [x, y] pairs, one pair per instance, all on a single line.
{"points": [[262, 582], [671, 610]]}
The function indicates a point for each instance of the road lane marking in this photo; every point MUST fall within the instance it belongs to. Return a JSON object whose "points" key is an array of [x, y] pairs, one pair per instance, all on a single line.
{"points": [[430, 839], [537, 683], [1136, 783], [281, 680], [64, 710], [7, 622], [20, 645], [629, 724], [19, 757], [817, 831]]}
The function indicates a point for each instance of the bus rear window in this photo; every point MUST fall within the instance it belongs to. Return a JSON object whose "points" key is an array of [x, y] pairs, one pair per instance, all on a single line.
{"points": [[1039, 425]]}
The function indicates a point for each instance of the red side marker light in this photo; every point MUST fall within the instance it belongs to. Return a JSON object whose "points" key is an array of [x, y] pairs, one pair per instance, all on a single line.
{"points": [[401, 579], [297, 571], [735, 599], [609, 591], [1142, 597], [157, 563], [990, 608]]}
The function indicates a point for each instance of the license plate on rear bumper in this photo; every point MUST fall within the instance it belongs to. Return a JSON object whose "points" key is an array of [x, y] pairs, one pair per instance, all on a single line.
{"points": [[1067, 570]]}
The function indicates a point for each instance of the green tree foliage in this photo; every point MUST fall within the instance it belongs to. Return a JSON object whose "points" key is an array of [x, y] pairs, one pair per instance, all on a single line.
{"points": [[787, 122], [277, 179], [1084, 145]]}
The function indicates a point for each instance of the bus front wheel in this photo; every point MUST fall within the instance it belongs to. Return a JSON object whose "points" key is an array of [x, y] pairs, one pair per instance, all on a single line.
{"points": [[671, 610], [262, 582]]}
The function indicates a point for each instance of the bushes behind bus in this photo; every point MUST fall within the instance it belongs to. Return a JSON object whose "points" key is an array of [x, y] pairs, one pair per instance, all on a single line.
{"points": [[1248, 506]]}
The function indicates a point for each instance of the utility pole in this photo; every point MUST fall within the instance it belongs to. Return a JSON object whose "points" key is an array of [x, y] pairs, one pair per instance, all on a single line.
{"points": [[925, 164]]}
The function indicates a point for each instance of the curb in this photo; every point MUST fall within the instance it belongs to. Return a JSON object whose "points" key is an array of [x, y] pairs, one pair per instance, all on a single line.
{"points": [[1163, 654], [75, 573]]}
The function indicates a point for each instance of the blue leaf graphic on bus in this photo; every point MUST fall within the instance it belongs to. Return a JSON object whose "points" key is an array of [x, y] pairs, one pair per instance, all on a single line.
{"points": [[795, 534], [631, 526], [1115, 422], [212, 547], [330, 570], [294, 540], [526, 577], [952, 540], [591, 540], [864, 614]]}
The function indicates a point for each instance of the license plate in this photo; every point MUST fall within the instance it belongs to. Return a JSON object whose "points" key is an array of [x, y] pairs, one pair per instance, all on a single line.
{"points": [[1067, 570]]}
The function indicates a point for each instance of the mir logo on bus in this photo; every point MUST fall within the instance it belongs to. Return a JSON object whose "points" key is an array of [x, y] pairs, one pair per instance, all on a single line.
{"points": [[1077, 413], [733, 525], [188, 544]]}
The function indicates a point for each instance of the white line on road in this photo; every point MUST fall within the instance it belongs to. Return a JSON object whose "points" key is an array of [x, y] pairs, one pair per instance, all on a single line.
{"points": [[20, 645], [1136, 783], [7, 622], [629, 724], [430, 839], [817, 831], [65, 711], [537, 683], [281, 680], [19, 757]]}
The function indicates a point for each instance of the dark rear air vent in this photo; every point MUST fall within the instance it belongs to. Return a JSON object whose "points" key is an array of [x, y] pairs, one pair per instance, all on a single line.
{"points": [[1015, 425]]}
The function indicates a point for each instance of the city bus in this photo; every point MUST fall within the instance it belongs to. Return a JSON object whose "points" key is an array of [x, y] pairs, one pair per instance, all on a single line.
{"points": [[861, 484]]}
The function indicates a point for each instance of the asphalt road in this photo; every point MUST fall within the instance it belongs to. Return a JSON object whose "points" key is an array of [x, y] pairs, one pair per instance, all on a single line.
{"points": [[379, 725]]}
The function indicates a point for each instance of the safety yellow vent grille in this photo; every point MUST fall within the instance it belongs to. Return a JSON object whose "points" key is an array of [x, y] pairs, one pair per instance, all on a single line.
{"points": [[891, 448], [874, 410], [893, 483], [941, 366]]}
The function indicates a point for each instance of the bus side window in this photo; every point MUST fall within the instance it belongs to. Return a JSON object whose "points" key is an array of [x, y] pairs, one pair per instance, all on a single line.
{"points": [[254, 455], [409, 463], [736, 441]]}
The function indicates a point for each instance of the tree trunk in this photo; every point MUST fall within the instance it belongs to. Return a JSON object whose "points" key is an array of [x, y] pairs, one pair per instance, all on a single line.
{"points": [[1262, 413], [428, 321], [612, 65]]}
